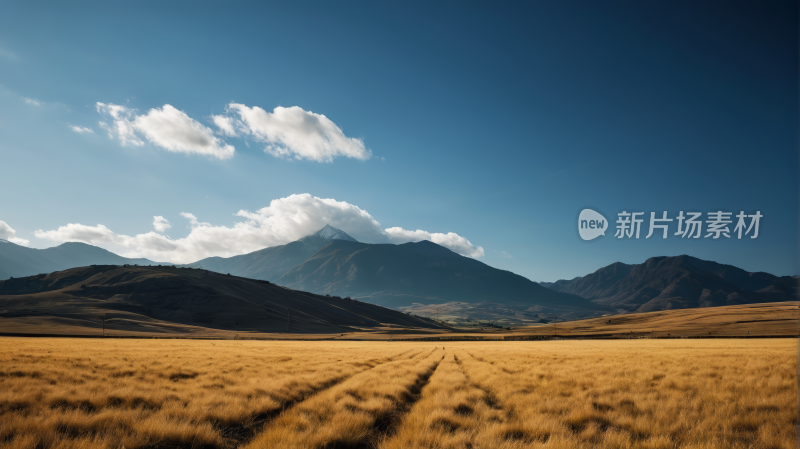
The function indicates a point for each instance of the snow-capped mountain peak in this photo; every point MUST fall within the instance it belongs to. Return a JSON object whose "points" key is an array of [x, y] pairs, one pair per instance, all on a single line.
{"points": [[331, 233]]}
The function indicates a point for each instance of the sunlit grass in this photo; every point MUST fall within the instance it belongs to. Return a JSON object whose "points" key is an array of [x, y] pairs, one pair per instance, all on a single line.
{"points": [[71, 393]]}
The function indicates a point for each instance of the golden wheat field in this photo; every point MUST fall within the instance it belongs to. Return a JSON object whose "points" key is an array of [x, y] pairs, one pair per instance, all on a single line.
{"points": [[86, 393]]}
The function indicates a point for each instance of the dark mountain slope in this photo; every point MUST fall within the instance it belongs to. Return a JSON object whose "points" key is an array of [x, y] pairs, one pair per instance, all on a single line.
{"points": [[190, 297], [601, 283], [677, 282], [745, 280], [18, 261], [271, 263], [393, 274]]}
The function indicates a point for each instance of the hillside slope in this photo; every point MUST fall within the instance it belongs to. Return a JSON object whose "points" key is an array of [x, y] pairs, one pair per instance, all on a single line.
{"points": [[766, 319], [191, 297]]}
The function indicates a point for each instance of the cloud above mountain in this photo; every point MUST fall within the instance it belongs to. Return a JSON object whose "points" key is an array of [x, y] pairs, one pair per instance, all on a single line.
{"points": [[8, 233], [450, 240], [166, 127], [283, 221], [161, 224]]}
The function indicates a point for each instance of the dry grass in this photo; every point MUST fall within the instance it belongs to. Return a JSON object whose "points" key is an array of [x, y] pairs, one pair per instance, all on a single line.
{"points": [[69, 393], [135, 393], [767, 319]]}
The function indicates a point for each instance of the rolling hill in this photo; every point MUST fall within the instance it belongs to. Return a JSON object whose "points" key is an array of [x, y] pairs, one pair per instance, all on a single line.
{"points": [[779, 319], [18, 261], [167, 299], [679, 282]]}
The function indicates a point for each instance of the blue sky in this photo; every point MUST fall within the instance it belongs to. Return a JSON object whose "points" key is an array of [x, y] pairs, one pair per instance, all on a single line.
{"points": [[497, 123]]}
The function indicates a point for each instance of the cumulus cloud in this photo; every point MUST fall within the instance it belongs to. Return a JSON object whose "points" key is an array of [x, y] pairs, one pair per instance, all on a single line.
{"points": [[122, 125], [167, 128], [161, 224], [76, 232], [82, 129], [8, 233], [32, 101], [291, 133], [225, 124], [294, 133], [283, 221], [450, 240]]}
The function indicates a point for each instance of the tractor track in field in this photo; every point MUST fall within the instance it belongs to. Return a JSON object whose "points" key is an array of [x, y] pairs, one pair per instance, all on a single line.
{"points": [[240, 434], [385, 425], [489, 398]]}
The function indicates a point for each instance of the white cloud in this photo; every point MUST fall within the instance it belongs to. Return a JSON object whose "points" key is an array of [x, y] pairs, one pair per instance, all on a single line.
{"points": [[161, 224], [225, 124], [295, 133], [450, 240], [108, 129], [283, 221], [8, 233], [32, 101], [122, 124], [82, 129], [75, 232], [167, 128], [506, 255]]}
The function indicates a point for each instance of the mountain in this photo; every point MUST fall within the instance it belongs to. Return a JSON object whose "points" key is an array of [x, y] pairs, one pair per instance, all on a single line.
{"points": [[162, 299], [271, 263], [331, 233], [18, 261], [677, 282], [400, 275], [331, 262]]}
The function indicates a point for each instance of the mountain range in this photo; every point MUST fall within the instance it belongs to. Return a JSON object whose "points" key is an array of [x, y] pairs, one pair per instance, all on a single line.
{"points": [[412, 275], [678, 282], [19, 261], [332, 262]]}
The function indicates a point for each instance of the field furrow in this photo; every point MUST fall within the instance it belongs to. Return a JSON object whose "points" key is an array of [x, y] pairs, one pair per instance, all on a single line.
{"points": [[163, 394], [245, 430], [638, 394], [355, 413], [452, 413], [641, 395]]}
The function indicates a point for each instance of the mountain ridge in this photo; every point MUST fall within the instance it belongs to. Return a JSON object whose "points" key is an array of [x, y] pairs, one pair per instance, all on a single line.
{"points": [[270, 263], [19, 261], [677, 282], [330, 261]]}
